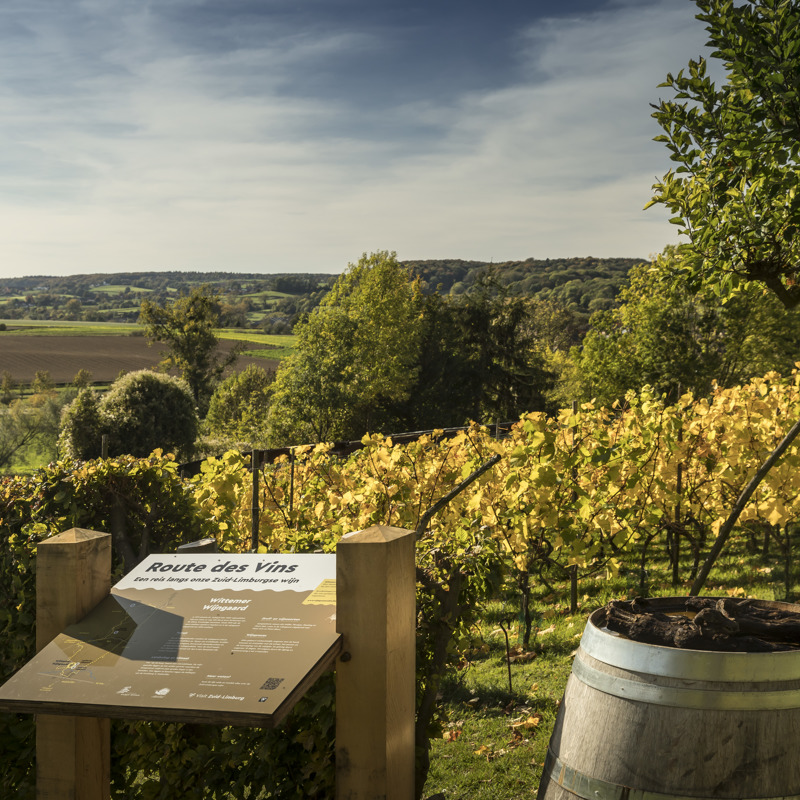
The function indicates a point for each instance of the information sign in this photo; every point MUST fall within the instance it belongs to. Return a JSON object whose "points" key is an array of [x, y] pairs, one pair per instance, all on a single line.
{"points": [[223, 639]]}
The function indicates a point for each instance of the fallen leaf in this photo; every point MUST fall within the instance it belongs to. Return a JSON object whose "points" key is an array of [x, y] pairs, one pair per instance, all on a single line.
{"points": [[546, 630], [527, 724], [522, 657]]}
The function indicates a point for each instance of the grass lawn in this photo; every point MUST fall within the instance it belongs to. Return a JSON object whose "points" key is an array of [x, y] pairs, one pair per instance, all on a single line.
{"points": [[495, 739], [274, 339]]}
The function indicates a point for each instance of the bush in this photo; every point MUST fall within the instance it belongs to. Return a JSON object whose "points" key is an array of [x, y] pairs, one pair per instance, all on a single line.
{"points": [[81, 430], [145, 411], [142, 501], [142, 412]]}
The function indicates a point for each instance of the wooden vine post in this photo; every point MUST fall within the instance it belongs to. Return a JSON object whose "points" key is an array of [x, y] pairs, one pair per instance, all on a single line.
{"points": [[73, 754], [376, 614]]}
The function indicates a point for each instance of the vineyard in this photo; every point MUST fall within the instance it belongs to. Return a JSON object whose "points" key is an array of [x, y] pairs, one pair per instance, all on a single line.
{"points": [[555, 507]]}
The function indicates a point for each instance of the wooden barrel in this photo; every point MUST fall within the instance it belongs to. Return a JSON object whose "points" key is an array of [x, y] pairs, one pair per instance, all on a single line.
{"points": [[644, 722]]}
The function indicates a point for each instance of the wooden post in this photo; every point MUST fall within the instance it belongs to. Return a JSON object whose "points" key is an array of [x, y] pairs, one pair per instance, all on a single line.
{"points": [[375, 677], [255, 459], [73, 754]]}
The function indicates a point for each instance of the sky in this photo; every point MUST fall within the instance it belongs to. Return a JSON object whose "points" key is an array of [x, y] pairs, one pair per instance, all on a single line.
{"points": [[294, 135]]}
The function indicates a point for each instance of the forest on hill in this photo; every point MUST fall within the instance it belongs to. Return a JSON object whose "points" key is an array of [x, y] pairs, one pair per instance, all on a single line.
{"points": [[275, 302], [583, 285]]}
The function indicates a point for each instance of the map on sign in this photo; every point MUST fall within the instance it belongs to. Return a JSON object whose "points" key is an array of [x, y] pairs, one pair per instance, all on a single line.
{"points": [[225, 639]]}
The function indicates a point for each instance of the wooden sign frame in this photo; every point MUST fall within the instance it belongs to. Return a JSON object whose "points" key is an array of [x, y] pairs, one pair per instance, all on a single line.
{"points": [[208, 638], [375, 677]]}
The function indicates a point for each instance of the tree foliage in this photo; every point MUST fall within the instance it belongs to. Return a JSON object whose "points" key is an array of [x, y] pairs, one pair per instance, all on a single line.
{"points": [[355, 359], [239, 407], [28, 426], [674, 340], [481, 359], [186, 326], [735, 190], [142, 411], [377, 355]]}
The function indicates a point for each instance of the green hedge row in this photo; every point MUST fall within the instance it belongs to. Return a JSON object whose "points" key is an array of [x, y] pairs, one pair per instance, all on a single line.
{"points": [[146, 505]]}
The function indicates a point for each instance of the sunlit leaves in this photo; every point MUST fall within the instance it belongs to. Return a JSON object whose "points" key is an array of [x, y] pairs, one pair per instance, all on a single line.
{"points": [[738, 151]]}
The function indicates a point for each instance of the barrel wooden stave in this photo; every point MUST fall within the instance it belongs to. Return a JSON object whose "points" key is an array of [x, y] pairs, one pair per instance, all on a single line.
{"points": [[671, 750]]}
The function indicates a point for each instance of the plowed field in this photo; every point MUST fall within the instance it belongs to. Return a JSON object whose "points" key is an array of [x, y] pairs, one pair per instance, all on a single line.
{"points": [[104, 356]]}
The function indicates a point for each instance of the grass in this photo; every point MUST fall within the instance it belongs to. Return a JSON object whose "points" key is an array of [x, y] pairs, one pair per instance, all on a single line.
{"points": [[283, 344], [274, 339], [268, 293], [495, 738], [62, 327], [119, 288], [280, 345]]}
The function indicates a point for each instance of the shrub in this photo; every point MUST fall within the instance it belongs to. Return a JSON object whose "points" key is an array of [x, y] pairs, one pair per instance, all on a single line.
{"points": [[142, 412], [145, 411]]}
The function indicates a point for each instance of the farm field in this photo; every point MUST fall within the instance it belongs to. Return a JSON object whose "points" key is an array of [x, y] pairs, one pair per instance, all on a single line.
{"points": [[103, 355]]}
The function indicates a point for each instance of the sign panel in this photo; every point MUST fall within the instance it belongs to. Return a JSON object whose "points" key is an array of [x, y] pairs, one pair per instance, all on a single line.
{"points": [[223, 638]]}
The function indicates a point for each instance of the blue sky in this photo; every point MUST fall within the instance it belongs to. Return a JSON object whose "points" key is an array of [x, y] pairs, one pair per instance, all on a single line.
{"points": [[293, 135]]}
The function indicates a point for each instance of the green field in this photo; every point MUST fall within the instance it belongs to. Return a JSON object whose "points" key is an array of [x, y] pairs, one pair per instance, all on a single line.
{"points": [[280, 345], [268, 294], [62, 327], [28, 327], [119, 289]]}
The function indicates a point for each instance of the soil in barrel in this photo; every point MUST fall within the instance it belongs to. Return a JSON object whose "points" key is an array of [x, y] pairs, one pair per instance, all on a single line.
{"points": [[705, 623]]}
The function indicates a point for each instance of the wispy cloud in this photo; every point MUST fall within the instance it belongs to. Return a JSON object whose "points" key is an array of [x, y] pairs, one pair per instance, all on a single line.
{"points": [[145, 136]]}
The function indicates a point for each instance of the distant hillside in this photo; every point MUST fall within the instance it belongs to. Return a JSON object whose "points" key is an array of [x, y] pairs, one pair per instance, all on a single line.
{"points": [[237, 283], [582, 284], [275, 302]]}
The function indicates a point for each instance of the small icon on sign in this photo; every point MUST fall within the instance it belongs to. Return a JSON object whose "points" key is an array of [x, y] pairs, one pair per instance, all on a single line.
{"points": [[162, 692], [125, 690], [262, 699]]}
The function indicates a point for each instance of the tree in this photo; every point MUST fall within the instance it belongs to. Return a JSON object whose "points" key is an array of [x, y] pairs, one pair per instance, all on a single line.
{"points": [[675, 340], [355, 359], [42, 382], [82, 379], [736, 190], [239, 407], [7, 387], [142, 411], [186, 326], [481, 358], [29, 427], [81, 428], [672, 339]]}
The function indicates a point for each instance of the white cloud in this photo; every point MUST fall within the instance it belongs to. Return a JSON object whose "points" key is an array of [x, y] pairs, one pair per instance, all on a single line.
{"points": [[171, 157]]}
